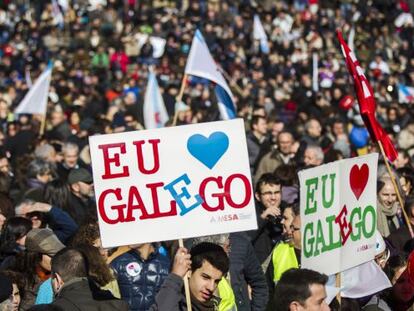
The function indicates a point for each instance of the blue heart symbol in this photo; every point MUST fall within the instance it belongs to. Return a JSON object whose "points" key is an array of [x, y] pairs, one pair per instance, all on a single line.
{"points": [[208, 150]]}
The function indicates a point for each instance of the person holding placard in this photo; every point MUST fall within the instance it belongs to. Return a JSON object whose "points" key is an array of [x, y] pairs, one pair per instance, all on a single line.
{"points": [[248, 290], [204, 266]]}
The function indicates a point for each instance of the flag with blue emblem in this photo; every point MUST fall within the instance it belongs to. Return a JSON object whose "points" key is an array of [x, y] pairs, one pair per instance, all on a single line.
{"points": [[200, 63], [405, 94], [155, 113]]}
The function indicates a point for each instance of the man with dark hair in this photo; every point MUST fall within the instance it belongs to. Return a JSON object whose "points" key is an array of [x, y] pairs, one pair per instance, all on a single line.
{"points": [[269, 196], [83, 207], [72, 288], [257, 142], [300, 290], [207, 263]]}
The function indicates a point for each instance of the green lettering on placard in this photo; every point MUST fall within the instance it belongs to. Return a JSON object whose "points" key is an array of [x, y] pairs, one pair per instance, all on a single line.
{"points": [[356, 224], [325, 202], [369, 210], [311, 186], [308, 242], [320, 240], [332, 244]]}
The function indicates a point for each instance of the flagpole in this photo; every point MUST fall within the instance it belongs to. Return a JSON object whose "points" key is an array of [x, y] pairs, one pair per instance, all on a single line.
{"points": [[180, 97], [232, 82], [397, 190], [186, 286], [42, 125], [182, 88]]}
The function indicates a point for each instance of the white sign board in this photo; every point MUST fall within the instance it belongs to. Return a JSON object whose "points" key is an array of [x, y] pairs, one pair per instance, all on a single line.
{"points": [[338, 214], [172, 183]]}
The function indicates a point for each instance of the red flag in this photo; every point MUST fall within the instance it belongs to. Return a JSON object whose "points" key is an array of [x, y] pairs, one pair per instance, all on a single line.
{"points": [[366, 100]]}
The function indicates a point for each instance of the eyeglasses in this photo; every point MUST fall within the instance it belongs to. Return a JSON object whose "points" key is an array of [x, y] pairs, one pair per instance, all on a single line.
{"points": [[269, 193]]}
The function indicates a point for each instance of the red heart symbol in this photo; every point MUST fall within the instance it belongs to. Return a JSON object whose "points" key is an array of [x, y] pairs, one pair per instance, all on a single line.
{"points": [[358, 179]]}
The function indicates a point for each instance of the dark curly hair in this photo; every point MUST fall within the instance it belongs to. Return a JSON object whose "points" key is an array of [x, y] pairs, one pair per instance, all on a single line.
{"points": [[87, 234]]}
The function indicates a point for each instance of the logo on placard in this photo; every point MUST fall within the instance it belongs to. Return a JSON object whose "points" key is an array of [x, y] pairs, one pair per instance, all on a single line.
{"points": [[230, 217], [208, 150], [133, 269]]}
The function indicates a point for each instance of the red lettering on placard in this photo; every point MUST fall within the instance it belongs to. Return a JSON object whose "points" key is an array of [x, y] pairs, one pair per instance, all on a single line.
{"points": [[134, 194], [101, 206], [220, 196], [155, 154], [135, 202], [247, 190], [345, 227], [154, 194], [115, 159]]}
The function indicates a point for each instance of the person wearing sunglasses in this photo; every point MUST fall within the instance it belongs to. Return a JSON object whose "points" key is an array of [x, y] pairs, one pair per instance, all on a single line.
{"points": [[81, 200]]}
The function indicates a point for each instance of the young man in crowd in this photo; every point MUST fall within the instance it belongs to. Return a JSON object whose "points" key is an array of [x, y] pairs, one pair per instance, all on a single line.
{"points": [[248, 290], [300, 290], [206, 264], [257, 142], [269, 197]]}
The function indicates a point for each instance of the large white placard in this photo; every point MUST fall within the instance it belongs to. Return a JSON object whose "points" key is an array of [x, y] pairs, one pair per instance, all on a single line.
{"points": [[338, 214], [172, 183]]}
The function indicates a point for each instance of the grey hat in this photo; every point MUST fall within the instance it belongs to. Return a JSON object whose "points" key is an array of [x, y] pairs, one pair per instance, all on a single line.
{"points": [[79, 174], [43, 241]]}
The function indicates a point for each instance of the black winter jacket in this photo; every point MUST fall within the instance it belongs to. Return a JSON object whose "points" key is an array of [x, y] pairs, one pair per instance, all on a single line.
{"points": [[140, 280], [245, 270]]}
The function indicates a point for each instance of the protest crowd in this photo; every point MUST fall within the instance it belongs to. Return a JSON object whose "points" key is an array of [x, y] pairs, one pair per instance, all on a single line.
{"points": [[296, 98]]}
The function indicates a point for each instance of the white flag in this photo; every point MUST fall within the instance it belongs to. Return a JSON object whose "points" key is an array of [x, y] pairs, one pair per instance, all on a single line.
{"points": [[200, 63], [155, 114], [35, 101], [315, 73], [260, 34]]}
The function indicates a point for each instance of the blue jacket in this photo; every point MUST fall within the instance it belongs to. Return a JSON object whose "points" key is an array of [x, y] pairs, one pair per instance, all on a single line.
{"points": [[63, 226], [139, 281]]}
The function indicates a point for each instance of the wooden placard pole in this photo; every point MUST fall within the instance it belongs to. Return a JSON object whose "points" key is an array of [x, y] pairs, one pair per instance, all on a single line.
{"points": [[186, 286], [338, 285], [397, 190], [179, 97]]}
